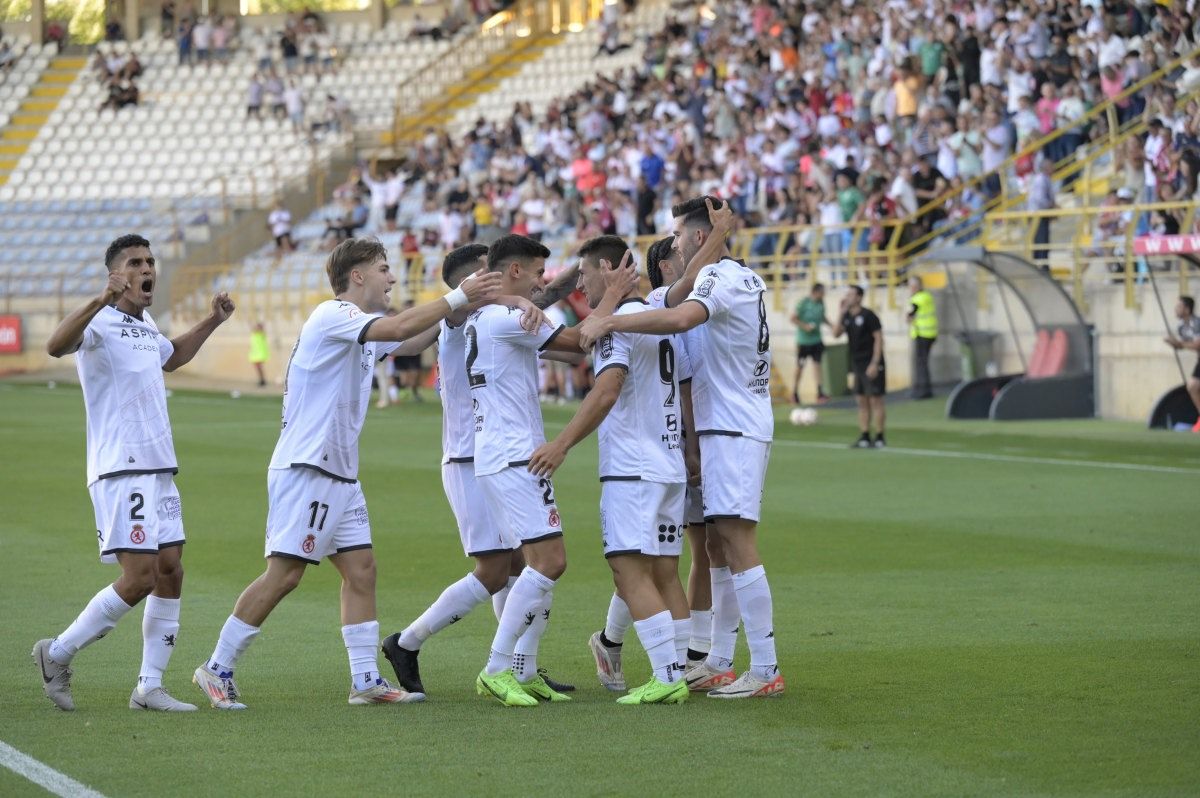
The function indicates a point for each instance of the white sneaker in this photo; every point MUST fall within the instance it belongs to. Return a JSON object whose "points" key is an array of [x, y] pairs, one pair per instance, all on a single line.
{"points": [[383, 693], [56, 679], [221, 693], [608, 664], [158, 699], [750, 686], [702, 678]]}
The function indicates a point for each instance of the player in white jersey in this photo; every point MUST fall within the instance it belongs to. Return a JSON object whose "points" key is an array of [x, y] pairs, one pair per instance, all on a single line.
{"points": [[502, 370], [731, 402], [497, 555], [671, 284], [635, 404], [316, 507], [121, 355]]}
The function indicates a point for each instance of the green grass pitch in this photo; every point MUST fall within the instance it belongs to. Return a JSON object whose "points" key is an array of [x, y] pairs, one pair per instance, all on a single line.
{"points": [[984, 609]]}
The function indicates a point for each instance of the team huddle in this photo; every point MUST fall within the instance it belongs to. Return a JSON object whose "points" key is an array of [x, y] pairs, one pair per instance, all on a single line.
{"points": [[682, 411]]}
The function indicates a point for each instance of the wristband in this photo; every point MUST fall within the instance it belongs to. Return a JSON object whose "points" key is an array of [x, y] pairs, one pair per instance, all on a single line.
{"points": [[456, 298]]}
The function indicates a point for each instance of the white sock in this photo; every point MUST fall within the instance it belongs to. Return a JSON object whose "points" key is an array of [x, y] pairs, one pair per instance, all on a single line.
{"points": [[452, 606], [701, 631], [618, 620], [362, 641], [657, 634], [754, 601], [501, 596], [98, 618], [236, 637], [525, 652], [725, 619], [683, 635], [520, 611], [160, 625]]}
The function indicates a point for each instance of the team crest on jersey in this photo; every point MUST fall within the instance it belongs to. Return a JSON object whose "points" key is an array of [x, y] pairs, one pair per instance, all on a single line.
{"points": [[606, 346], [554, 519], [705, 288], [138, 534], [310, 543]]}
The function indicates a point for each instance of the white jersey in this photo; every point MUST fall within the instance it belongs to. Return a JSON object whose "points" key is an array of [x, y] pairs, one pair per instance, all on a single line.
{"points": [[120, 362], [502, 370], [458, 417], [327, 389], [731, 354], [641, 438], [685, 364]]}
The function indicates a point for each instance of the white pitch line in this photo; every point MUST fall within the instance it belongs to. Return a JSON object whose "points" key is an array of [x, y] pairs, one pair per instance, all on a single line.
{"points": [[1005, 458], [43, 775]]}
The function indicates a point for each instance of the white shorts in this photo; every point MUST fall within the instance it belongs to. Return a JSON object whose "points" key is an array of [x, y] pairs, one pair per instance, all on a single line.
{"points": [[522, 504], [477, 526], [732, 471], [310, 515], [641, 517], [136, 512], [694, 507]]}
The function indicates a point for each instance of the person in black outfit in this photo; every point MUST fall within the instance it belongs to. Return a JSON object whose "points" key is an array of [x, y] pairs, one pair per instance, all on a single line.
{"points": [[865, 335]]}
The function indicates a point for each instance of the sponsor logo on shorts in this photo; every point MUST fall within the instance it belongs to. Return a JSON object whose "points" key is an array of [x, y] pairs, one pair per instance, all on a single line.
{"points": [[667, 533], [172, 507], [554, 519], [138, 534], [310, 543], [360, 515]]}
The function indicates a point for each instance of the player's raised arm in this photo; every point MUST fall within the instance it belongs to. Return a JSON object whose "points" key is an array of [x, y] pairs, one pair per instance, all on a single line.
{"points": [[600, 399], [482, 287], [618, 283], [187, 345], [722, 220], [68, 335]]}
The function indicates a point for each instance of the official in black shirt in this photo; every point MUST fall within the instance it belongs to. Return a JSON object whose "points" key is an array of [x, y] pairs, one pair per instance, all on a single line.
{"points": [[865, 335]]}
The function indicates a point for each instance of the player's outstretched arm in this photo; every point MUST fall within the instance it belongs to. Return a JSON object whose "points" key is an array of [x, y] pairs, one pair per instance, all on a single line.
{"points": [[480, 287], [710, 252], [68, 335], [560, 289], [187, 345], [667, 321], [419, 342], [550, 455]]}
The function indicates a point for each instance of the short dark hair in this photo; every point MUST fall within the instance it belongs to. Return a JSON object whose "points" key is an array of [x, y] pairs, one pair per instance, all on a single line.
{"points": [[660, 250], [349, 255], [458, 259], [1188, 303], [818, 287], [120, 245], [511, 246], [857, 289], [695, 213], [609, 248]]}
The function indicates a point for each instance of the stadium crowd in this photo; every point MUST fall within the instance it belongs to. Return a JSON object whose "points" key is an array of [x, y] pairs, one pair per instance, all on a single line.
{"points": [[805, 114]]}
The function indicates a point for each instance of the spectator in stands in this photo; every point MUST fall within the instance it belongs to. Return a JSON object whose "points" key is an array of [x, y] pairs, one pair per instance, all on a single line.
{"points": [[1041, 198], [183, 38], [202, 39], [293, 101], [274, 92], [113, 31], [167, 18], [56, 33], [279, 222], [222, 33], [261, 47], [254, 97], [290, 51], [8, 58], [121, 93]]}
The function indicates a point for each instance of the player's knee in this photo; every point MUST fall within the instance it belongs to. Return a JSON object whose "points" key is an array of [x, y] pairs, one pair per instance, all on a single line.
{"points": [[170, 576], [363, 576], [551, 564], [492, 575], [714, 548]]}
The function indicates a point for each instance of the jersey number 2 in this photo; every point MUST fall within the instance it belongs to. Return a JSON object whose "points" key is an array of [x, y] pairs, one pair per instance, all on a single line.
{"points": [[473, 379]]}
